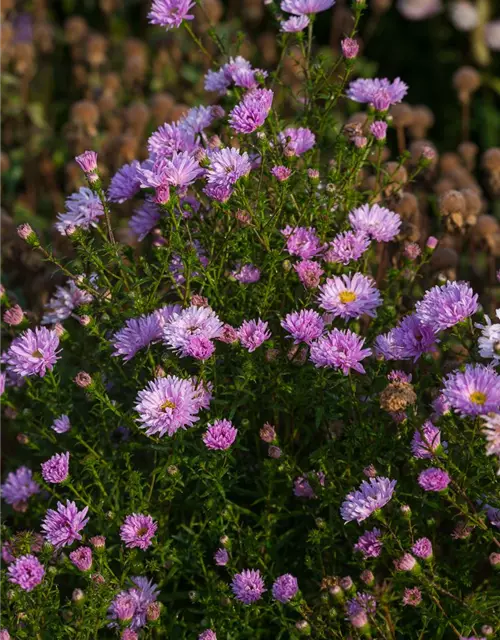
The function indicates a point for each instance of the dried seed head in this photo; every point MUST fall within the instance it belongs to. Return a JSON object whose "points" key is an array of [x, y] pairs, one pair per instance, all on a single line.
{"points": [[452, 203], [423, 119], [491, 159], [466, 80], [402, 114], [397, 396], [468, 151]]}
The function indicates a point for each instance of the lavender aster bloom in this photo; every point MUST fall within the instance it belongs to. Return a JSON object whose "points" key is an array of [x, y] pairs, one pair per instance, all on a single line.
{"points": [[221, 557], [145, 219], [208, 634], [227, 166], [302, 242], [309, 273], [377, 222], [252, 111], [33, 352], [56, 469], [303, 326], [199, 118], [172, 138], [349, 297], [65, 300], [371, 496], [446, 306], [362, 602], [82, 558], [61, 527], [441, 405], [386, 347], [133, 604], [301, 7], [169, 404], [473, 392], [218, 191], [380, 93], [220, 435], [347, 246], [340, 349], [253, 333], [193, 321], [83, 209], [19, 486], [285, 588], [294, 24], [27, 572], [379, 129], [138, 531], [170, 13], [422, 548], [181, 170], [433, 479], [295, 142], [248, 586], [137, 334], [406, 563], [199, 347], [281, 172], [412, 338], [246, 274], [369, 544], [426, 443], [125, 183], [61, 424], [489, 341]]}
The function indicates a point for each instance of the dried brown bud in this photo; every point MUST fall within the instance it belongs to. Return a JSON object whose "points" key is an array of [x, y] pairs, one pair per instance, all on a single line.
{"points": [[397, 396], [423, 119], [466, 80], [491, 159], [468, 152], [75, 29], [402, 114]]}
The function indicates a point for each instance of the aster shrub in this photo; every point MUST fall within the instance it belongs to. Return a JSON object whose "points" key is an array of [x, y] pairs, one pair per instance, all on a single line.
{"points": [[252, 409]]}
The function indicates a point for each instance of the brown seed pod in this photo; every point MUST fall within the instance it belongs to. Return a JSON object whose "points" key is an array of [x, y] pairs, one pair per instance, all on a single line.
{"points": [[397, 396], [75, 30], [491, 159], [444, 258], [423, 119], [468, 151], [161, 108], [402, 114], [473, 203], [466, 81], [97, 46], [449, 161]]}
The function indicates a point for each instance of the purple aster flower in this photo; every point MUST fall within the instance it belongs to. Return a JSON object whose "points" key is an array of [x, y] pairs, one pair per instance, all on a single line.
{"points": [[208, 634], [123, 607], [248, 586], [133, 604], [19, 487], [193, 321], [303, 326], [473, 392], [369, 544], [285, 588], [82, 558], [171, 403], [83, 209], [386, 348], [199, 347], [347, 246], [181, 170], [294, 24], [56, 469], [246, 274], [433, 479], [199, 118], [340, 349], [252, 111], [302, 242], [295, 142], [350, 297], [426, 441], [124, 184], [220, 435], [61, 527], [145, 219], [371, 496], [172, 138], [61, 424], [412, 597], [27, 572], [377, 222], [281, 173], [170, 13], [227, 166], [379, 129], [87, 161], [138, 531], [406, 563], [65, 300], [309, 273], [253, 333], [221, 557], [380, 93], [304, 7], [412, 338], [362, 602], [491, 431], [137, 334], [33, 352], [422, 548], [302, 488], [217, 81], [441, 405], [445, 306], [218, 191], [350, 48]]}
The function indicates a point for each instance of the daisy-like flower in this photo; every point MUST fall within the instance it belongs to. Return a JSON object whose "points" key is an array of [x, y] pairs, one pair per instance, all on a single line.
{"points": [[199, 118], [65, 300], [83, 209], [56, 469], [170, 13], [253, 333], [304, 7], [169, 404], [33, 352], [422, 548], [434, 479], [378, 92], [227, 166], [138, 531], [62, 527], [281, 172], [27, 572], [248, 586], [124, 184], [181, 170], [137, 334], [220, 435], [412, 597], [426, 442], [386, 347], [302, 242], [19, 487], [491, 430], [473, 392], [340, 349], [82, 558], [252, 111], [172, 138], [445, 306], [295, 142], [349, 296], [489, 342], [369, 544], [145, 219], [294, 24], [132, 605], [285, 588], [347, 247], [246, 274], [412, 338], [193, 321], [61, 424], [303, 326], [376, 222], [371, 496]]}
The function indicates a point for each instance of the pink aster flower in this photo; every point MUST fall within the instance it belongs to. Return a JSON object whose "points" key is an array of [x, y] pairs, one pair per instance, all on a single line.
{"points": [[412, 597], [302, 487], [412, 338], [246, 274], [19, 487], [138, 531], [380, 93], [350, 48], [65, 300], [220, 435], [426, 441], [132, 605], [56, 469], [87, 161], [304, 7], [199, 347], [181, 170], [406, 563], [379, 129], [285, 588], [422, 548], [281, 172], [227, 166], [248, 586], [252, 111], [27, 572], [82, 558], [473, 392], [193, 321], [303, 326], [145, 219], [369, 544], [208, 634], [350, 296], [340, 349], [371, 496], [294, 24], [253, 333], [13, 316], [445, 306], [170, 13], [302, 242], [33, 352], [377, 222], [434, 479], [62, 527], [83, 209], [221, 557], [346, 247], [295, 142], [309, 273], [229, 334]]}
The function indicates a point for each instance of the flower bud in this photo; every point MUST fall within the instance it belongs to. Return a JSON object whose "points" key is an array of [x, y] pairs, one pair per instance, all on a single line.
{"points": [[274, 452], [77, 595], [83, 380], [13, 316], [303, 627], [26, 233]]}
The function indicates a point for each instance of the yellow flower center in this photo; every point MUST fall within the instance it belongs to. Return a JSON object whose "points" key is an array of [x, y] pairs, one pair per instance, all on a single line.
{"points": [[478, 397], [168, 404], [347, 296], [37, 354]]}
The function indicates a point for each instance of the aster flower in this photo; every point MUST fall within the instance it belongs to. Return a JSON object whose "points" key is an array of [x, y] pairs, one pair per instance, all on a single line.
{"points": [[303, 326], [340, 349], [61, 424], [199, 347], [371, 496], [199, 118], [491, 430], [137, 334], [412, 597], [304, 7], [489, 342], [302, 242], [375, 221], [65, 300], [248, 586], [412, 338], [145, 219], [217, 81], [193, 321], [445, 306], [369, 544], [83, 209], [208, 634], [302, 488], [82, 558], [170, 13], [27, 572], [132, 605], [220, 435], [295, 142], [33, 352], [285, 588], [426, 442], [252, 111], [253, 333], [379, 129], [406, 563], [362, 602], [227, 166], [138, 530], [169, 404], [246, 274], [124, 184], [294, 24], [379, 93], [62, 527], [440, 405], [346, 247], [281, 172], [433, 479], [56, 469], [19, 486], [221, 557], [422, 548], [386, 348], [474, 391], [172, 138], [229, 334], [218, 191], [349, 296], [181, 170], [13, 316], [350, 48], [309, 273]]}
